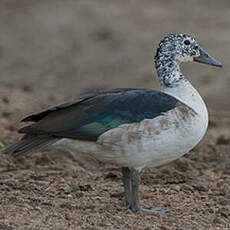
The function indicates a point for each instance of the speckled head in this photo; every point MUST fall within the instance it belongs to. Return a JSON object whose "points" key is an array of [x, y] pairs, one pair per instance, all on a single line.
{"points": [[181, 47], [174, 49]]}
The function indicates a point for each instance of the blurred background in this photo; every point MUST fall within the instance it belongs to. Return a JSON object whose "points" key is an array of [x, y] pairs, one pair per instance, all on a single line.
{"points": [[53, 50]]}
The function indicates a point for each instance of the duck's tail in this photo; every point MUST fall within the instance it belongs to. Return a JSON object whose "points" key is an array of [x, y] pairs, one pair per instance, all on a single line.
{"points": [[29, 144]]}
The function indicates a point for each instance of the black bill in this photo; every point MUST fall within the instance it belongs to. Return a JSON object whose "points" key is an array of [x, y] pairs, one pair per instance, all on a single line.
{"points": [[206, 59]]}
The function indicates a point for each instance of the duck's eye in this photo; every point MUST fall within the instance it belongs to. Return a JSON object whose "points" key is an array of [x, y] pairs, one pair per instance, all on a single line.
{"points": [[187, 42]]}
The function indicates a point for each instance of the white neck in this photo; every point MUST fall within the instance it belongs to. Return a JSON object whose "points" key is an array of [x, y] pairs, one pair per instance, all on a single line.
{"points": [[187, 94]]}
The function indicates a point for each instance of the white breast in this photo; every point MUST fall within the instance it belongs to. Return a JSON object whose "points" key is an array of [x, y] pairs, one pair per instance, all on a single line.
{"points": [[152, 142], [187, 94]]}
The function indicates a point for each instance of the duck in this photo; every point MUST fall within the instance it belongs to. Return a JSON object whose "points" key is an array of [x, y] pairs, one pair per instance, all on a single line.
{"points": [[131, 128]]}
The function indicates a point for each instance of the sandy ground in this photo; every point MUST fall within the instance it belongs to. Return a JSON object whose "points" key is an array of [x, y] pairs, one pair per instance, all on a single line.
{"points": [[50, 52]]}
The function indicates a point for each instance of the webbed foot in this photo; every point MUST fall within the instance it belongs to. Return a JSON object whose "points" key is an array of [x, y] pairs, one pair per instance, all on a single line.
{"points": [[153, 210], [131, 178]]}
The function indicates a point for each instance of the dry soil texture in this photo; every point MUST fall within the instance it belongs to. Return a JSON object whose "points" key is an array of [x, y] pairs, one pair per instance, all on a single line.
{"points": [[53, 50]]}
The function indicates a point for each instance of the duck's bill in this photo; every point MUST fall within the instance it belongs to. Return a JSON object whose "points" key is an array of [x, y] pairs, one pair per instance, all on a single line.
{"points": [[205, 58]]}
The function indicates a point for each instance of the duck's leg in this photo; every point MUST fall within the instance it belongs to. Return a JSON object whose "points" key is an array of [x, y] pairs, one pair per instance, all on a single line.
{"points": [[131, 178], [127, 186]]}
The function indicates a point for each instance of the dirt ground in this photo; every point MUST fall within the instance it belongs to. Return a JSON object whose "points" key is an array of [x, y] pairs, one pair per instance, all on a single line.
{"points": [[53, 50]]}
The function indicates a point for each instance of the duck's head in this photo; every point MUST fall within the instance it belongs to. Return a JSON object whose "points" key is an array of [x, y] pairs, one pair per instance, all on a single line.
{"points": [[183, 48]]}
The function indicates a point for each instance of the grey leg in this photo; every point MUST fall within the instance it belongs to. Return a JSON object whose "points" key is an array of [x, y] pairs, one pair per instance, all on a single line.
{"points": [[135, 181], [127, 186], [131, 179]]}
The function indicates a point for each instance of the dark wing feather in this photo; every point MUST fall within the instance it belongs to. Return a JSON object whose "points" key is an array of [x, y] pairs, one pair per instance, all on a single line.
{"points": [[41, 115], [89, 117]]}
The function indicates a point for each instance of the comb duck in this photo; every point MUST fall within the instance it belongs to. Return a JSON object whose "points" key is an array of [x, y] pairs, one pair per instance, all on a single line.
{"points": [[132, 128]]}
